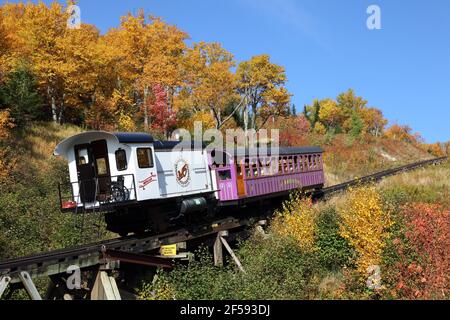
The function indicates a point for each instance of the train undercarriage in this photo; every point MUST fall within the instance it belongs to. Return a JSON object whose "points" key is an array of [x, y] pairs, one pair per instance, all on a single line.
{"points": [[155, 217]]}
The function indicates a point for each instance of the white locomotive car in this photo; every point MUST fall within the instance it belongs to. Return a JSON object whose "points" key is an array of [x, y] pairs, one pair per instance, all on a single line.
{"points": [[135, 179]]}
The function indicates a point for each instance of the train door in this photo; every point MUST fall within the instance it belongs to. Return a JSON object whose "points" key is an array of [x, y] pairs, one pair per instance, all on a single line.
{"points": [[225, 183], [226, 175], [101, 168], [240, 179], [147, 176], [85, 170], [93, 170]]}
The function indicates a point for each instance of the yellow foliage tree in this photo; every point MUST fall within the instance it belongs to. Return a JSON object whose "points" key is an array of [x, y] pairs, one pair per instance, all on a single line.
{"points": [[4, 46], [148, 53], [6, 125], [256, 80], [297, 220], [210, 83], [320, 128], [330, 114], [365, 225], [374, 121], [276, 104], [204, 117], [126, 123]]}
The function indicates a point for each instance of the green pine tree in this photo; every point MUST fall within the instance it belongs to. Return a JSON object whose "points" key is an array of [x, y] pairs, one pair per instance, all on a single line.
{"points": [[357, 125], [19, 94]]}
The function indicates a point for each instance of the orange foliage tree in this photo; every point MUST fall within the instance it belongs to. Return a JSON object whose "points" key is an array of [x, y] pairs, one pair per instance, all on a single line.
{"points": [[402, 133]]}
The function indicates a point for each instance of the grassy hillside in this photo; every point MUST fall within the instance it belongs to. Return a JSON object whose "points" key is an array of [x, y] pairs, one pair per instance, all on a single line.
{"points": [[30, 220], [347, 158]]}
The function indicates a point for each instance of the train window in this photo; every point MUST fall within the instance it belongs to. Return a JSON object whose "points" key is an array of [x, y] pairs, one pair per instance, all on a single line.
{"points": [[310, 164], [82, 157], [102, 168], [121, 160], [248, 172], [285, 165], [225, 175], [295, 164], [291, 164], [263, 168], [268, 167], [255, 168], [274, 166], [145, 159]]}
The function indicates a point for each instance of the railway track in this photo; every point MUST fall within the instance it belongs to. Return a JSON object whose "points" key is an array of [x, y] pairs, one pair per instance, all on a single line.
{"points": [[84, 256], [377, 176]]}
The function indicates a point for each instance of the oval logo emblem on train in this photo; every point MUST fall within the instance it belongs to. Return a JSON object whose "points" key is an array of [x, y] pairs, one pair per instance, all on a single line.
{"points": [[182, 172]]}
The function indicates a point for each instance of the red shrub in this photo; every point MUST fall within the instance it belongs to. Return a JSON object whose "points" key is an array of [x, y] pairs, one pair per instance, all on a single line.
{"points": [[423, 270]]}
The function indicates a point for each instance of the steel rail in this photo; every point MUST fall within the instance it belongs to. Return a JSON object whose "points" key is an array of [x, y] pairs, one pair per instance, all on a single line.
{"points": [[377, 176]]}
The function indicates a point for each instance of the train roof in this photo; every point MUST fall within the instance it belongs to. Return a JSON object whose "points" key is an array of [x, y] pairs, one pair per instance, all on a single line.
{"points": [[169, 145], [133, 137], [141, 137], [122, 137]]}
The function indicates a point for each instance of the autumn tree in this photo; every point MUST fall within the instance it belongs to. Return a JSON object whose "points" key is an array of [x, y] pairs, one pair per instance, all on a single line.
{"points": [[348, 113], [6, 125], [150, 53], [39, 28], [402, 133], [210, 84], [374, 121], [162, 118], [4, 46], [331, 114], [260, 80], [294, 130], [276, 103], [351, 107]]}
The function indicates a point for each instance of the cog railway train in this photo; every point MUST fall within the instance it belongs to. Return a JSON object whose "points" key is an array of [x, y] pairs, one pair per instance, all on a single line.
{"points": [[145, 185]]}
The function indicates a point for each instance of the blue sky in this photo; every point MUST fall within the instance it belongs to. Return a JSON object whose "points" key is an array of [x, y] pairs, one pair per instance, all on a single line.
{"points": [[326, 48]]}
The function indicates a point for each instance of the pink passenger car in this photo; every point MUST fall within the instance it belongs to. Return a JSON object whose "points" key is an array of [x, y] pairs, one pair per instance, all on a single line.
{"points": [[248, 175]]}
